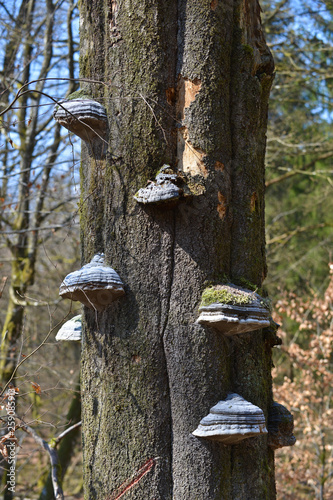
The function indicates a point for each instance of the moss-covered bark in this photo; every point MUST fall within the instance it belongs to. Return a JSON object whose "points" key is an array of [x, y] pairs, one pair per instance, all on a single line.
{"points": [[22, 276], [187, 84]]}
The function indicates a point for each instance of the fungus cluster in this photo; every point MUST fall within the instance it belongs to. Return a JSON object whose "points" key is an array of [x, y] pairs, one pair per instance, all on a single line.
{"points": [[229, 309]]}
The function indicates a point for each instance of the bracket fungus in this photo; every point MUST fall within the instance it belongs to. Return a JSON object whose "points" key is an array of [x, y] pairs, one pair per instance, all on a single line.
{"points": [[168, 188], [95, 285], [84, 117], [232, 420], [233, 310], [71, 330], [280, 427]]}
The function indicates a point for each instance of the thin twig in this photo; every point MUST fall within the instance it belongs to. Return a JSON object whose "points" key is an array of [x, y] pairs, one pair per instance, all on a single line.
{"points": [[129, 483], [63, 434], [32, 353]]}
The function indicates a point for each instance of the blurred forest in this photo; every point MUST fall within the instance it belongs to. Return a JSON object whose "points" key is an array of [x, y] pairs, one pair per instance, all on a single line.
{"points": [[299, 237], [39, 195], [39, 239]]}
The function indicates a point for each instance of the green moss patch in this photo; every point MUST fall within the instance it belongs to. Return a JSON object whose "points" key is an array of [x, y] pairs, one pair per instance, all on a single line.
{"points": [[79, 94], [225, 294]]}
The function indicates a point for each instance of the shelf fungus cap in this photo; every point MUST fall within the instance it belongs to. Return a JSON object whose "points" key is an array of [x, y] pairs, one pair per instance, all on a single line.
{"points": [[232, 420], [233, 310], [280, 427], [71, 330], [84, 117], [158, 193], [95, 285], [164, 190]]}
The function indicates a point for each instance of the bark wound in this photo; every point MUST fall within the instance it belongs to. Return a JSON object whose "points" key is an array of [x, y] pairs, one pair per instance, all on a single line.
{"points": [[253, 203], [113, 7], [219, 166], [112, 17], [190, 159], [186, 93], [222, 205], [171, 96]]}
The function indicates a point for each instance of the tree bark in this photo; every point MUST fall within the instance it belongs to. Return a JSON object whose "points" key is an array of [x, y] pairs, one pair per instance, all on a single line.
{"points": [[188, 86]]}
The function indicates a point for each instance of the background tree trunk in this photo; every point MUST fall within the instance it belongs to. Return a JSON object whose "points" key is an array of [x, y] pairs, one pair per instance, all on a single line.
{"points": [[187, 84]]}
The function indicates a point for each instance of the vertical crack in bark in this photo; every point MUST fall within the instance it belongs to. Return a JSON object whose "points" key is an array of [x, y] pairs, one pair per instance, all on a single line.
{"points": [[163, 336], [230, 106], [172, 99]]}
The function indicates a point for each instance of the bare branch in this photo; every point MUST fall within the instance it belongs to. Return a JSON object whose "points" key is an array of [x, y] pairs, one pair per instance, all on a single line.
{"points": [[3, 284], [54, 459], [67, 431], [283, 177]]}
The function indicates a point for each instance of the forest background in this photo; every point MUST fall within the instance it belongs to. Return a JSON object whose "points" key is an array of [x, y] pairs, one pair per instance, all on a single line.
{"points": [[39, 236]]}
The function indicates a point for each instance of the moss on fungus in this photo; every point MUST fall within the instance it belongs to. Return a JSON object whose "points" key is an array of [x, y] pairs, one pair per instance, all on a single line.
{"points": [[79, 94], [225, 295]]}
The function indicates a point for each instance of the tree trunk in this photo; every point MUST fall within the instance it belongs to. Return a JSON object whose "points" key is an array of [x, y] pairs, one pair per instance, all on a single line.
{"points": [[186, 85]]}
